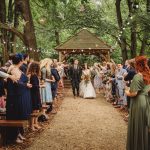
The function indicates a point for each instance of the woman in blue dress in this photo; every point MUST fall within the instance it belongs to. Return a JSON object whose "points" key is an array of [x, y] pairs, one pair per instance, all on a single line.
{"points": [[18, 105], [46, 94]]}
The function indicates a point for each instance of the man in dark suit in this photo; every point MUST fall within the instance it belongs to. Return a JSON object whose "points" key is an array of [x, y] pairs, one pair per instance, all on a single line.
{"points": [[75, 73], [54, 85]]}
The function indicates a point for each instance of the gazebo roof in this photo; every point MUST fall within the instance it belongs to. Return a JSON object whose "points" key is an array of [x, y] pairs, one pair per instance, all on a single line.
{"points": [[84, 40]]}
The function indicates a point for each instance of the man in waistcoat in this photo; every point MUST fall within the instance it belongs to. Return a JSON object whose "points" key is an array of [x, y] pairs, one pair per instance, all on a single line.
{"points": [[75, 73]]}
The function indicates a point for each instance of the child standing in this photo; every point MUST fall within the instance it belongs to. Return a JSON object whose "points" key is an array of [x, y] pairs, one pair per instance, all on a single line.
{"points": [[34, 72]]}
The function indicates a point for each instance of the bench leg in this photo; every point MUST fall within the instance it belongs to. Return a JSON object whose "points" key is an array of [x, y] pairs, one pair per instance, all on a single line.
{"points": [[3, 141]]}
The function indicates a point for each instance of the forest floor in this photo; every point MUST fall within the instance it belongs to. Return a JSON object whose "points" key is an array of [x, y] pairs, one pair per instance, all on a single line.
{"points": [[83, 124]]}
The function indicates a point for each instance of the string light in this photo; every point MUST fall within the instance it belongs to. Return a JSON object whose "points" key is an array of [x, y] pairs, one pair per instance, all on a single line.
{"points": [[131, 17]]}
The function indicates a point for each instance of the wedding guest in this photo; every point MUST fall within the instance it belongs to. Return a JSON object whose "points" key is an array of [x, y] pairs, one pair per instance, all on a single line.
{"points": [[97, 78], [46, 93], [56, 76], [24, 66], [9, 62], [121, 85], [34, 72], [104, 67], [131, 71], [60, 69], [139, 116], [18, 104], [113, 81], [148, 62]]}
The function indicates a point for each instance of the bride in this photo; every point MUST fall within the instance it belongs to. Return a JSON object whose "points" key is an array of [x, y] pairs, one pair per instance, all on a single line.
{"points": [[86, 87]]}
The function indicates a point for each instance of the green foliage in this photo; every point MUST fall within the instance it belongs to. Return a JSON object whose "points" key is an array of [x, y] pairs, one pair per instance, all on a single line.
{"points": [[68, 16]]}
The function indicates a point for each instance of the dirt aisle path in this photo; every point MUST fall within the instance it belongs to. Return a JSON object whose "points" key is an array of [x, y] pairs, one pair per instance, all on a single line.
{"points": [[84, 125]]}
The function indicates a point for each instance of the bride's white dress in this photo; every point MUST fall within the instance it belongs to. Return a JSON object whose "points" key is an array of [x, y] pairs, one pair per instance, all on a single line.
{"points": [[86, 88]]}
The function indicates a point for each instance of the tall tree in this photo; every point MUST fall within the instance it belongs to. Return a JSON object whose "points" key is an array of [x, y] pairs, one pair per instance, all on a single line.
{"points": [[133, 30], [10, 22], [3, 31], [146, 35], [122, 41], [29, 32]]}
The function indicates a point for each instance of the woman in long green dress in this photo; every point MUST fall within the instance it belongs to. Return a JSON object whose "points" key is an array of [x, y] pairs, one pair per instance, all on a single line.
{"points": [[139, 116]]}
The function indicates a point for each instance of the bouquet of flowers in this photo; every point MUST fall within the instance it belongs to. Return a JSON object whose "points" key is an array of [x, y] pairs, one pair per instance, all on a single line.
{"points": [[86, 79]]}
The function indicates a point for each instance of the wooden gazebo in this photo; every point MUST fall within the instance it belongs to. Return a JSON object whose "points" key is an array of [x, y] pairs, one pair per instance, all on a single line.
{"points": [[84, 42]]}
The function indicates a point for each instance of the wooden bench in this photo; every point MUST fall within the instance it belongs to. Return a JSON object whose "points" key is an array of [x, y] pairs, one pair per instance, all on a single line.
{"points": [[13, 123], [9, 123], [2, 115]]}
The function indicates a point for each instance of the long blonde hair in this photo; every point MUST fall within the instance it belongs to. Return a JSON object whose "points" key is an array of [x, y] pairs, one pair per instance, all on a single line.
{"points": [[46, 63]]}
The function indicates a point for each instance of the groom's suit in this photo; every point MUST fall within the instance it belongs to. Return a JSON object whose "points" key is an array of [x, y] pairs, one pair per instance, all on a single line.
{"points": [[75, 73]]}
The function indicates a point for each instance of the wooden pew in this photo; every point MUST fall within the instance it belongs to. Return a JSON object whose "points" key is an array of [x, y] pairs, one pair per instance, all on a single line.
{"points": [[9, 123], [2, 115]]}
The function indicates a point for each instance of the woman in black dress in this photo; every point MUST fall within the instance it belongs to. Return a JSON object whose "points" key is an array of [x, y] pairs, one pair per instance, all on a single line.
{"points": [[34, 73], [18, 105]]}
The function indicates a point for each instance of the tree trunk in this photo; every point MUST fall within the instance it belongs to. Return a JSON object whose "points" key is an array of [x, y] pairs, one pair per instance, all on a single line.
{"points": [[122, 42], [148, 6], [3, 31], [145, 37], [57, 37], [133, 40], [143, 45], [29, 35], [10, 21], [16, 24], [133, 31]]}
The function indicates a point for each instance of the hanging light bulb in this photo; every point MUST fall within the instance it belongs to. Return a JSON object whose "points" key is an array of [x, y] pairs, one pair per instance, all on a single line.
{"points": [[136, 6], [131, 17], [42, 21]]}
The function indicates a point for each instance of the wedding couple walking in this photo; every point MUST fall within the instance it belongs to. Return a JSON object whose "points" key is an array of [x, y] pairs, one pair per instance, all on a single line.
{"points": [[81, 81]]}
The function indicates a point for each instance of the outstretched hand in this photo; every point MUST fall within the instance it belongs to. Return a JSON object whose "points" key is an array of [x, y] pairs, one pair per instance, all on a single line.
{"points": [[29, 85]]}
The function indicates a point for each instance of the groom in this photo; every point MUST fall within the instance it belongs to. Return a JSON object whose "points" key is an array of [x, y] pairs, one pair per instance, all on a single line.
{"points": [[75, 73]]}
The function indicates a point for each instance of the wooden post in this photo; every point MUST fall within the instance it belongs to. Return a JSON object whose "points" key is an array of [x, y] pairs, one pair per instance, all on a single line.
{"points": [[108, 56], [60, 56]]}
